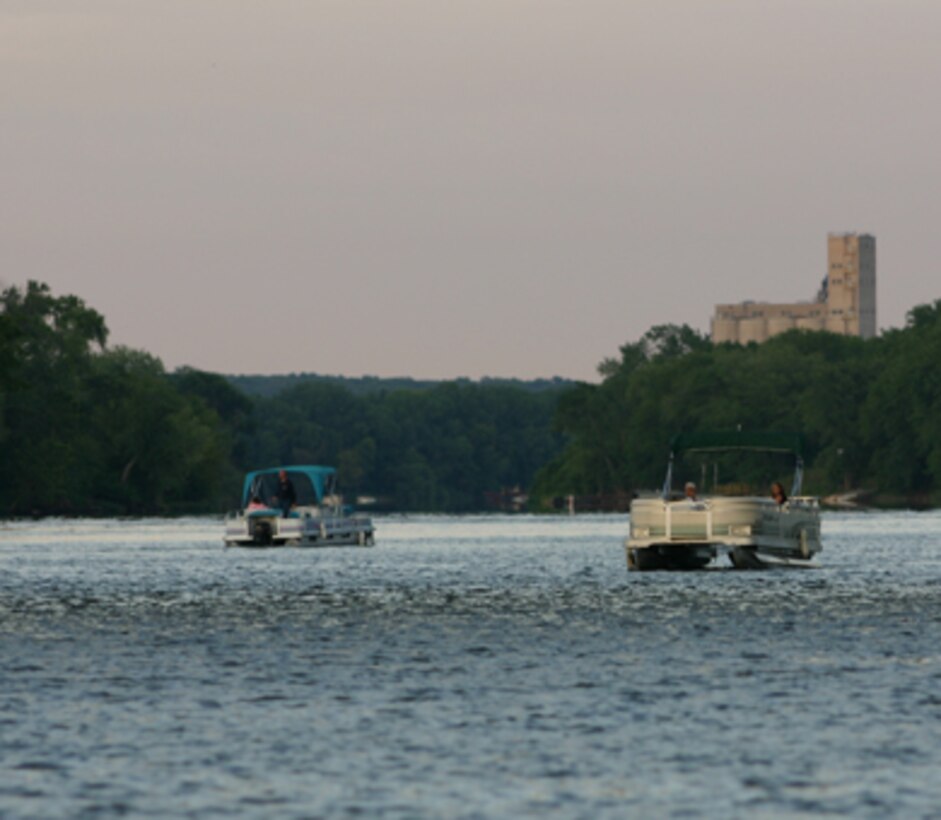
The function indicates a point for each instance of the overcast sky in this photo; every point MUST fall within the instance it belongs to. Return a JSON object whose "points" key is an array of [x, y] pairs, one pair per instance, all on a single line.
{"points": [[443, 188]]}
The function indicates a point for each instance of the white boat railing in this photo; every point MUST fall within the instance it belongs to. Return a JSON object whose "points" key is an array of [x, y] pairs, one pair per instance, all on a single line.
{"points": [[687, 507]]}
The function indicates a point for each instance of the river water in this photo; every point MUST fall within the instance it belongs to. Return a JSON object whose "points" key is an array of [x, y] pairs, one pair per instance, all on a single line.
{"points": [[465, 667]]}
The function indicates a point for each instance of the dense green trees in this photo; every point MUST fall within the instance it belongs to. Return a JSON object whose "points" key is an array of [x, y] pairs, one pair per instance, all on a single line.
{"points": [[85, 428], [439, 448], [48, 346], [869, 411], [89, 429]]}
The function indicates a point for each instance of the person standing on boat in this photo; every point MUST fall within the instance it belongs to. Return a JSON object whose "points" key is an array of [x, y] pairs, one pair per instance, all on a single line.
{"points": [[690, 490], [287, 496], [778, 494]]}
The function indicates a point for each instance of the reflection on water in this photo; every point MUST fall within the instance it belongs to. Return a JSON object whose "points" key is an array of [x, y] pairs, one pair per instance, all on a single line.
{"points": [[464, 667]]}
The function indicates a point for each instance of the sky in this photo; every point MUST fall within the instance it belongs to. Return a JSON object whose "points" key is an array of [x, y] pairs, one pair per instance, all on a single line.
{"points": [[458, 188]]}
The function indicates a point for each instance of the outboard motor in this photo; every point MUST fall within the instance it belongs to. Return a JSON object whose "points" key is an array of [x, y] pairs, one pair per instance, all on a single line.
{"points": [[261, 531]]}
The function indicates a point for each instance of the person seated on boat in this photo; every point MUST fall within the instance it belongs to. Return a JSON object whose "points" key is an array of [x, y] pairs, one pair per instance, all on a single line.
{"points": [[778, 494], [256, 504], [287, 497], [692, 498]]}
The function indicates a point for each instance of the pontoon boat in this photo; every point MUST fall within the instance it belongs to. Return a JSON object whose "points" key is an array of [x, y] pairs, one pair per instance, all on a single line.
{"points": [[317, 518], [754, 532]]}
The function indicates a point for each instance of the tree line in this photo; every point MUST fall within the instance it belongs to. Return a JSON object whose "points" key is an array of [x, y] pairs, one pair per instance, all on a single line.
{"points": [[869, 411], [90, 429]]}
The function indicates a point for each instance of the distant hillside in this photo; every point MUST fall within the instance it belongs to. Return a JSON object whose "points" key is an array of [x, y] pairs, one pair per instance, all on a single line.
{"points": [[268, 386]]}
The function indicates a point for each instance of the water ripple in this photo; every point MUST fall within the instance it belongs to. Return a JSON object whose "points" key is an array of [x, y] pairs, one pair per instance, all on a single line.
{"points": [[466, 667]]}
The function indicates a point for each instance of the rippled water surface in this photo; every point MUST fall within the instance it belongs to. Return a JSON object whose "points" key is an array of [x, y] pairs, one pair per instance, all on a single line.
{"points": [[465, 667]]}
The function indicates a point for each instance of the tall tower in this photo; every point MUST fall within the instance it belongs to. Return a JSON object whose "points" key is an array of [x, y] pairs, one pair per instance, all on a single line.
{"points": [[851, 284]]}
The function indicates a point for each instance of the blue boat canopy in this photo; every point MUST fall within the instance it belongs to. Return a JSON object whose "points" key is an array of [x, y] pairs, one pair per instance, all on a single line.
{"points": [[311, 483]]}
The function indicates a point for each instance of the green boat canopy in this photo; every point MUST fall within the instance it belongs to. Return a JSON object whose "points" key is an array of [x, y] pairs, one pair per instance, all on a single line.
{"points": [[754, 441], [772, 442]]}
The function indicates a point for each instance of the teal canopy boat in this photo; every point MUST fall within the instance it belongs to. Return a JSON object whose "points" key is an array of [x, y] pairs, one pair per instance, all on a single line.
{"points": [[313, 514]]}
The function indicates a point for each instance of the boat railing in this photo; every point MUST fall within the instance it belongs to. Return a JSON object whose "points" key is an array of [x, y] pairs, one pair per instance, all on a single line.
{"points": [[804, 500], [713, 518], [691, 527]]}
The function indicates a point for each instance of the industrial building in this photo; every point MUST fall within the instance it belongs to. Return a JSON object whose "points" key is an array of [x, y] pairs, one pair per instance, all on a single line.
{"points": [[845, 302]]}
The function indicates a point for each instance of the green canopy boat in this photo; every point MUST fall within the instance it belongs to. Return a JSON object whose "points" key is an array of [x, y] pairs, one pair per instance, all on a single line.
{"points": [[753, 532]]}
